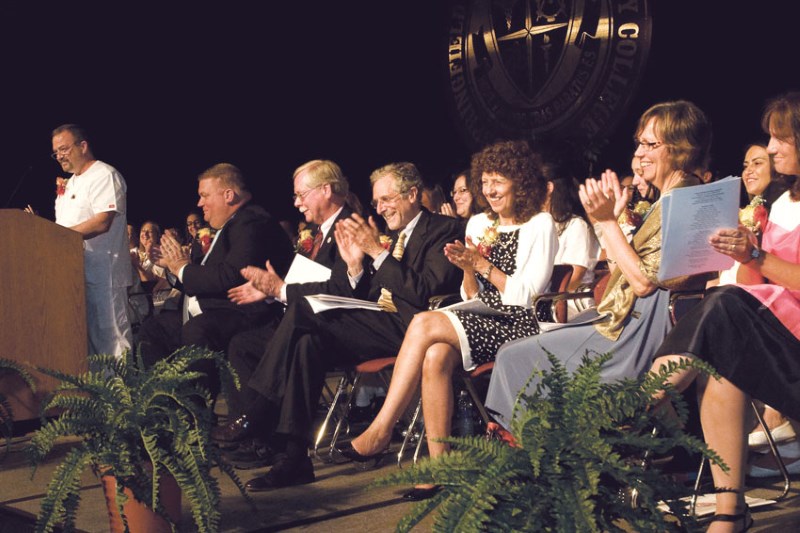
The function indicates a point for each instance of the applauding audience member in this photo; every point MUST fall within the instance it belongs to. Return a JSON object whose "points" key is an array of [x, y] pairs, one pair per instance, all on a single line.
{"points": [[246, 235], [749, 331], [463, 206], [672, 139], [506, 261], [320, 194]]}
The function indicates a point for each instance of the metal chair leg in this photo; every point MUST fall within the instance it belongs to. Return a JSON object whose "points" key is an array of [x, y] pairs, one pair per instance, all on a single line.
{"points": [[410, 434], [344, 412], [323, 429], [773, 448]]}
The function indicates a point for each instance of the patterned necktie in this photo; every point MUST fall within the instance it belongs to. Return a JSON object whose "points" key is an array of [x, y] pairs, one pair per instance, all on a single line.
{"points": [[316, 245], [385, 301]]}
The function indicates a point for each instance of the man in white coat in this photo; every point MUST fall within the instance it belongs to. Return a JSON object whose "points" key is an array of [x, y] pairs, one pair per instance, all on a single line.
{"points": [[92, 202]]}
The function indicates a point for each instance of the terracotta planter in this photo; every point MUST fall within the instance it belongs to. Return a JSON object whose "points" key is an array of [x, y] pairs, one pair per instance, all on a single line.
{"points": [[142, 519]]}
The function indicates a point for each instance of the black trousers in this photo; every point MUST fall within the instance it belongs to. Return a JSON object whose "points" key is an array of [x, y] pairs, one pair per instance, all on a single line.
{"points": [[164, 333], [305, 346], [244, 353]]}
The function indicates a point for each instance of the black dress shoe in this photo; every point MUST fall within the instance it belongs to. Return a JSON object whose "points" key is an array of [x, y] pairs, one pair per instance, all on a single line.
{"points": [[236, 431], [252, 453], [287, 472], [419, 494], [365, 460]]}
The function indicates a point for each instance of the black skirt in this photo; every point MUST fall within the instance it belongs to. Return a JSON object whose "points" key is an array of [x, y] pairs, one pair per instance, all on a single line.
{"points": [[746, 343]]}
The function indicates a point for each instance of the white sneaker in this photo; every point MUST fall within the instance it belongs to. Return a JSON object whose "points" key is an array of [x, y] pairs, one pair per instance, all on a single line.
{"points": [[782, 433]]}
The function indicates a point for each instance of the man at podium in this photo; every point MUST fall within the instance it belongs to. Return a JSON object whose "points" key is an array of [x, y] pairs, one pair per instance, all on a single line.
{"points": [[92, 202]]}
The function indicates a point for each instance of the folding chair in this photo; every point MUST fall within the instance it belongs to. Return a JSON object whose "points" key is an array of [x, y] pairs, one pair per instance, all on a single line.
{"points": [[351, 378]]}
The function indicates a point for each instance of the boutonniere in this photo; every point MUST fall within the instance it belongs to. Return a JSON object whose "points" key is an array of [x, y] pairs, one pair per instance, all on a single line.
{"points": [[754, 215], [204, 237], [61, 185], [386, 241], [490, 235], [305, 242], [633, 216]]}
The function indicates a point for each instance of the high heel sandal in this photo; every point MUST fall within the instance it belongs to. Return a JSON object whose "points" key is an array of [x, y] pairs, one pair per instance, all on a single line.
{"points": [[744, 516]]}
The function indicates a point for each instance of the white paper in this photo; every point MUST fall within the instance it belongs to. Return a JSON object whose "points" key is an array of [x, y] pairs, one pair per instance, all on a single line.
{"points": [[475, 306], [707, 503], [304, 270], [689, 216], [325, 302], [587, 316]]}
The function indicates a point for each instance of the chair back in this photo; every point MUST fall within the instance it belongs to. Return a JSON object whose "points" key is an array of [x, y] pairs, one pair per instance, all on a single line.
{"points": [[600, 287], [559, 282]]}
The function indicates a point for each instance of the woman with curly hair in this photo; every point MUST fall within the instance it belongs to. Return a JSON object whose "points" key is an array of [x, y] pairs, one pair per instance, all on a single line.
{"points": [[672, 141], [507, 260]]}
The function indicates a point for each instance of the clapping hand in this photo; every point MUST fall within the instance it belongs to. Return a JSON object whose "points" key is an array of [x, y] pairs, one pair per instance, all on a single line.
{"points": [[364, 234], [267, 282], [463, 255], [604, 199], [170, 254], [447, 210], [351, 253]]}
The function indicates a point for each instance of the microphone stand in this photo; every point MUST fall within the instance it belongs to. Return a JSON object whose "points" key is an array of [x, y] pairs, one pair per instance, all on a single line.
{"points": [[19, 183]]}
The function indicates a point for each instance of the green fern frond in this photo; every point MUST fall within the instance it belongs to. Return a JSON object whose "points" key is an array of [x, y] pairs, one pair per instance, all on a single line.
{"points": [[63, 492]]}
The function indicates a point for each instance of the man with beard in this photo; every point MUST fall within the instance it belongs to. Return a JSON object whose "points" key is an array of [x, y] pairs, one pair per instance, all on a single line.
{"points": [[93, 202]]}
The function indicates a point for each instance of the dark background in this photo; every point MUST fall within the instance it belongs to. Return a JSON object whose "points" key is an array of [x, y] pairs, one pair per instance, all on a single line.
{"points": [[168, 89]]}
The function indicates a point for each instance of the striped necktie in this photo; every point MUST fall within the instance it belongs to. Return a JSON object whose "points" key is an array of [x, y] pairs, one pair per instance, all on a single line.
{"points": [[385, 301]]}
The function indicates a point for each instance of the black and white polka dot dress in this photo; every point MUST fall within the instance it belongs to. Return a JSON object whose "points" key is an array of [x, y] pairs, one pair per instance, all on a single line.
{"points": [[486, 333]]}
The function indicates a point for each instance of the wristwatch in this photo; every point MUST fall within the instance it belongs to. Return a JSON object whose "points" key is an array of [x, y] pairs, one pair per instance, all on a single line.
{"points": [[755, 253]]}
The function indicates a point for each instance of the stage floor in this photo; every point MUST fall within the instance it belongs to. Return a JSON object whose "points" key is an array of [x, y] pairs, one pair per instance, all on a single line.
{"points": [[342, 499]]}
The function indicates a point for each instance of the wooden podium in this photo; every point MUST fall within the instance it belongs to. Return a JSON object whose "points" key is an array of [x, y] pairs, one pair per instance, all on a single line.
{"points": [[42, 304]]}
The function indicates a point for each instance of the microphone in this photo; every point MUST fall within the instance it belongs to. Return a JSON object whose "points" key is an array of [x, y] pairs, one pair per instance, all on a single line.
{"points": [[19, 183]]}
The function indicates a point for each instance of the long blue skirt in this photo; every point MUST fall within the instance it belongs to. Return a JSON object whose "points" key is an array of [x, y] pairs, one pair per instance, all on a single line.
{"points": [[643, 331]]}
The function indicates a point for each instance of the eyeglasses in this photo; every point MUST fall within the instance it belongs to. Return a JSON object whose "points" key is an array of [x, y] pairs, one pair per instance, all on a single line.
{"points": [[460, 190], [647, 146], [386, 200], [302, 195], [63, 150]]}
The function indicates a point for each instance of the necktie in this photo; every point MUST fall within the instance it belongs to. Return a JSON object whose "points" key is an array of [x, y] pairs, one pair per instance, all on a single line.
{"points": [[316, 245], [385, 301]]}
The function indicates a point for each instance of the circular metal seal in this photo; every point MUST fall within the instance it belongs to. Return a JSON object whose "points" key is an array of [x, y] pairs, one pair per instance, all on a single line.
{"points": [[554, 69]]}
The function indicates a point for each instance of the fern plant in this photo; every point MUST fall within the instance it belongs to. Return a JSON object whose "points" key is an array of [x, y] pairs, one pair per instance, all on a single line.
{"points": [[580, 451], [137, 424], [8, 366]]}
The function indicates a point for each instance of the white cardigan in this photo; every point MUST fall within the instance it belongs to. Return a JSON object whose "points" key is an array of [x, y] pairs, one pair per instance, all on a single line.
{"points": [[536, 252]]}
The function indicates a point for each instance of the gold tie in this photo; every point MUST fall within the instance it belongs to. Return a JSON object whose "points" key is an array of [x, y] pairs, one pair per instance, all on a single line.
{"points": [[385, 301]]}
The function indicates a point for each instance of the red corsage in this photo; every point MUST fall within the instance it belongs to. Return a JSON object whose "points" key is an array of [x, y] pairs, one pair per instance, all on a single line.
{"points": [[386, 242], [760, 217], [305, 242], [204, 237], [754, 215], [61, 186], [490, 235]]}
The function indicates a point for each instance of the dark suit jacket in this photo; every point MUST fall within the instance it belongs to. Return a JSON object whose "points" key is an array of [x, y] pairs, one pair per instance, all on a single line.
{"points": [[328, 256], [422, 272], [250, 237]]}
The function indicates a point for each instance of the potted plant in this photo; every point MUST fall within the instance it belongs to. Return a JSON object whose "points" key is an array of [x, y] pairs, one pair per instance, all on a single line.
{"points": [[141, 426], [9, 367], [579, 452]]}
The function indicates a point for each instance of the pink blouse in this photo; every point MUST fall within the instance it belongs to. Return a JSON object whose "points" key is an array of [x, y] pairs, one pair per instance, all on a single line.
{"points": [[783, 243]]}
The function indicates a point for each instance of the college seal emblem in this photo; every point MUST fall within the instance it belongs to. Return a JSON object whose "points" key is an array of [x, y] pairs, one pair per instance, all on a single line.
{"points": [[563, 69]]}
